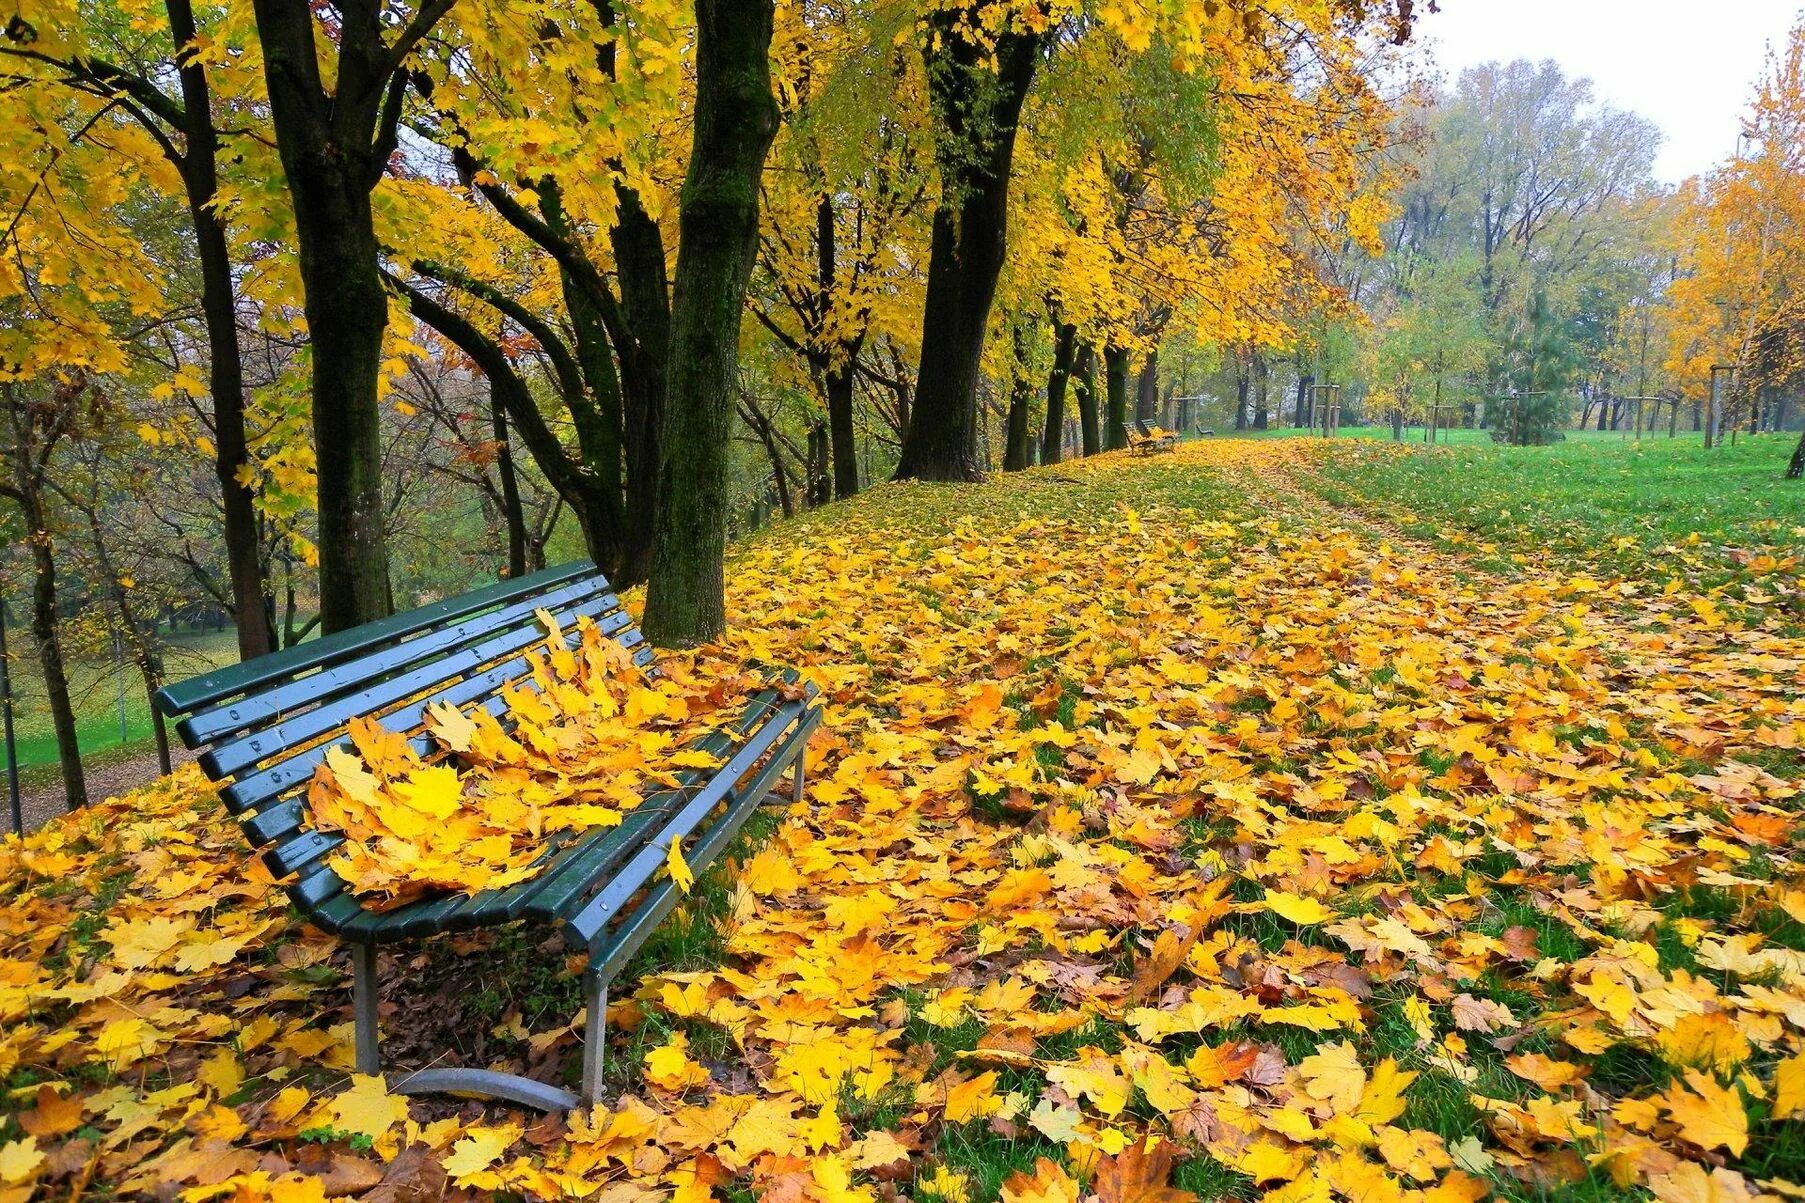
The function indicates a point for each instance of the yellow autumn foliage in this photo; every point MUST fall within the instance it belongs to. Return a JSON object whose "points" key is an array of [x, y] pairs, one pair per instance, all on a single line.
{"points": [[588, 731]]}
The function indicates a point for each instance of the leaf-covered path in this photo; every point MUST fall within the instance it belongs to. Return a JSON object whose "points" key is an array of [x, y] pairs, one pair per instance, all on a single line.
{"points": [[1152, 801]]}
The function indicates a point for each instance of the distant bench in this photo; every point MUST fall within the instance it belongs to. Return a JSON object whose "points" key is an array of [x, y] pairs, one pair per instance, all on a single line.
{"points": [[265, 724], [1148, 439]]}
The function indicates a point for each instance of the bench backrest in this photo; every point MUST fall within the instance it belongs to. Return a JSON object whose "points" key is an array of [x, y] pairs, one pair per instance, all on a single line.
{"points": [[1140, 424], [266, 723]]}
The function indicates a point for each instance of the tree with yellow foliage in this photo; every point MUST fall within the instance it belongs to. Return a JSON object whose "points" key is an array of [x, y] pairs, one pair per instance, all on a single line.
{"points": [[1741, 229], [122, 122]]}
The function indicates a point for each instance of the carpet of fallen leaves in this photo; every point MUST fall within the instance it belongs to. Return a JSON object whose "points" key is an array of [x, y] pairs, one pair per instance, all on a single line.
{"points": [[1170, 834]]}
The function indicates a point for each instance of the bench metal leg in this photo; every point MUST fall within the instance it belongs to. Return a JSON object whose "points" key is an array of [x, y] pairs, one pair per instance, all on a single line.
{"points": [[800, 773], [363, 1007], [481, 1083], [486, 1084], [595, 998]]}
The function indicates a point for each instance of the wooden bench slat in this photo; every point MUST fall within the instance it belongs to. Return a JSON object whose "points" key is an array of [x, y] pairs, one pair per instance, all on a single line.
{"points": [[217, 723], [496, 905], [275, 778], [633, 876], [231, 757], [208, 688], [610, 950], [266, 726], [560, 896]]}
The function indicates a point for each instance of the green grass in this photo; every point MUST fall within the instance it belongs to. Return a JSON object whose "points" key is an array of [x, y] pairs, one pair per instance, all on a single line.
{"points": [[1664, 510], [94, 687]]}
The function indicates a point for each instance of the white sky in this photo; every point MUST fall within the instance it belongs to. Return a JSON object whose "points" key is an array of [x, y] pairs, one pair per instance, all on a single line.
{"points": [[1686, 66]]}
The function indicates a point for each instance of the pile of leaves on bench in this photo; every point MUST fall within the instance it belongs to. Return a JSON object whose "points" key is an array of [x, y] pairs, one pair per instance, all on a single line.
{"points": [[588, 734]]}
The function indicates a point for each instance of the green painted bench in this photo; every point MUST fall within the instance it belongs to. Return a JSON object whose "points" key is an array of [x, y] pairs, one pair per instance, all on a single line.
{"points": [[262, 726]]}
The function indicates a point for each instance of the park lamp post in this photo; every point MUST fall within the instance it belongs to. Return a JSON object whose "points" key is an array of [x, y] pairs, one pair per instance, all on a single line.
{"points": [[1714, 404]]}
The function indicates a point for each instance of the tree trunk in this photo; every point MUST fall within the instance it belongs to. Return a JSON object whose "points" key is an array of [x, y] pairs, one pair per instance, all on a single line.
{"points": [[1795, 468], [1259, 391], [645, 370], [817, 467], [734, 120], [200, 180], [1016, 453], [334, 146], [837, 385], [1091, 429], [46, 630], [510, 491], [1052, 442], [1146, 390], [1242, 385], [1305, 384], [977, 94], [1115, 377]]}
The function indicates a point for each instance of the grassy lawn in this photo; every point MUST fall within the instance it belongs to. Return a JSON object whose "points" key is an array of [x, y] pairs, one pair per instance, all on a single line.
{"points": [[1665, 510], [95, 687]]}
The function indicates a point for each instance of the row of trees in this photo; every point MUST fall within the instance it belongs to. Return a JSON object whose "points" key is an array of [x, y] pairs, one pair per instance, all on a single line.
{"points": [[283, 276], [1536, 276]]}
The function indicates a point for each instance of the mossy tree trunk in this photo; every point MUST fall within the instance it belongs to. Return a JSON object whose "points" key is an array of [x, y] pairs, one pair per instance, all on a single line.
{"points": [[1052, 442], [251, 595], [335, 143], [1090, 427], [1115, 374], [735, 119], [976, 94], [1017, 451]]}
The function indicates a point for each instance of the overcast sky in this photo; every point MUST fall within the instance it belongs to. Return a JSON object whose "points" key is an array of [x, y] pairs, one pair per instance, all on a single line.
{"points": [[1686, 66]]}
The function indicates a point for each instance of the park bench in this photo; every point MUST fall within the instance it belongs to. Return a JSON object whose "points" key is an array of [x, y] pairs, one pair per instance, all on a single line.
{"points": [[1147, 439], [265, 724]]}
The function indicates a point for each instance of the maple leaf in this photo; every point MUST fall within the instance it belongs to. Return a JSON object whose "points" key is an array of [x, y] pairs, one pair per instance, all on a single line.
{"points": [[366, 1107], [678, 868], [1139, 1174], [1095, 1077], [1480, 1014], [1690, 1182], [1047, 1182], [55, 1115], [973, 1099], [1333, 1075], [1295, 909], [479, 1148], [669, 1068], [1789, 1087], [20, 1161], [1057, 1124], [1708, 1115]]}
